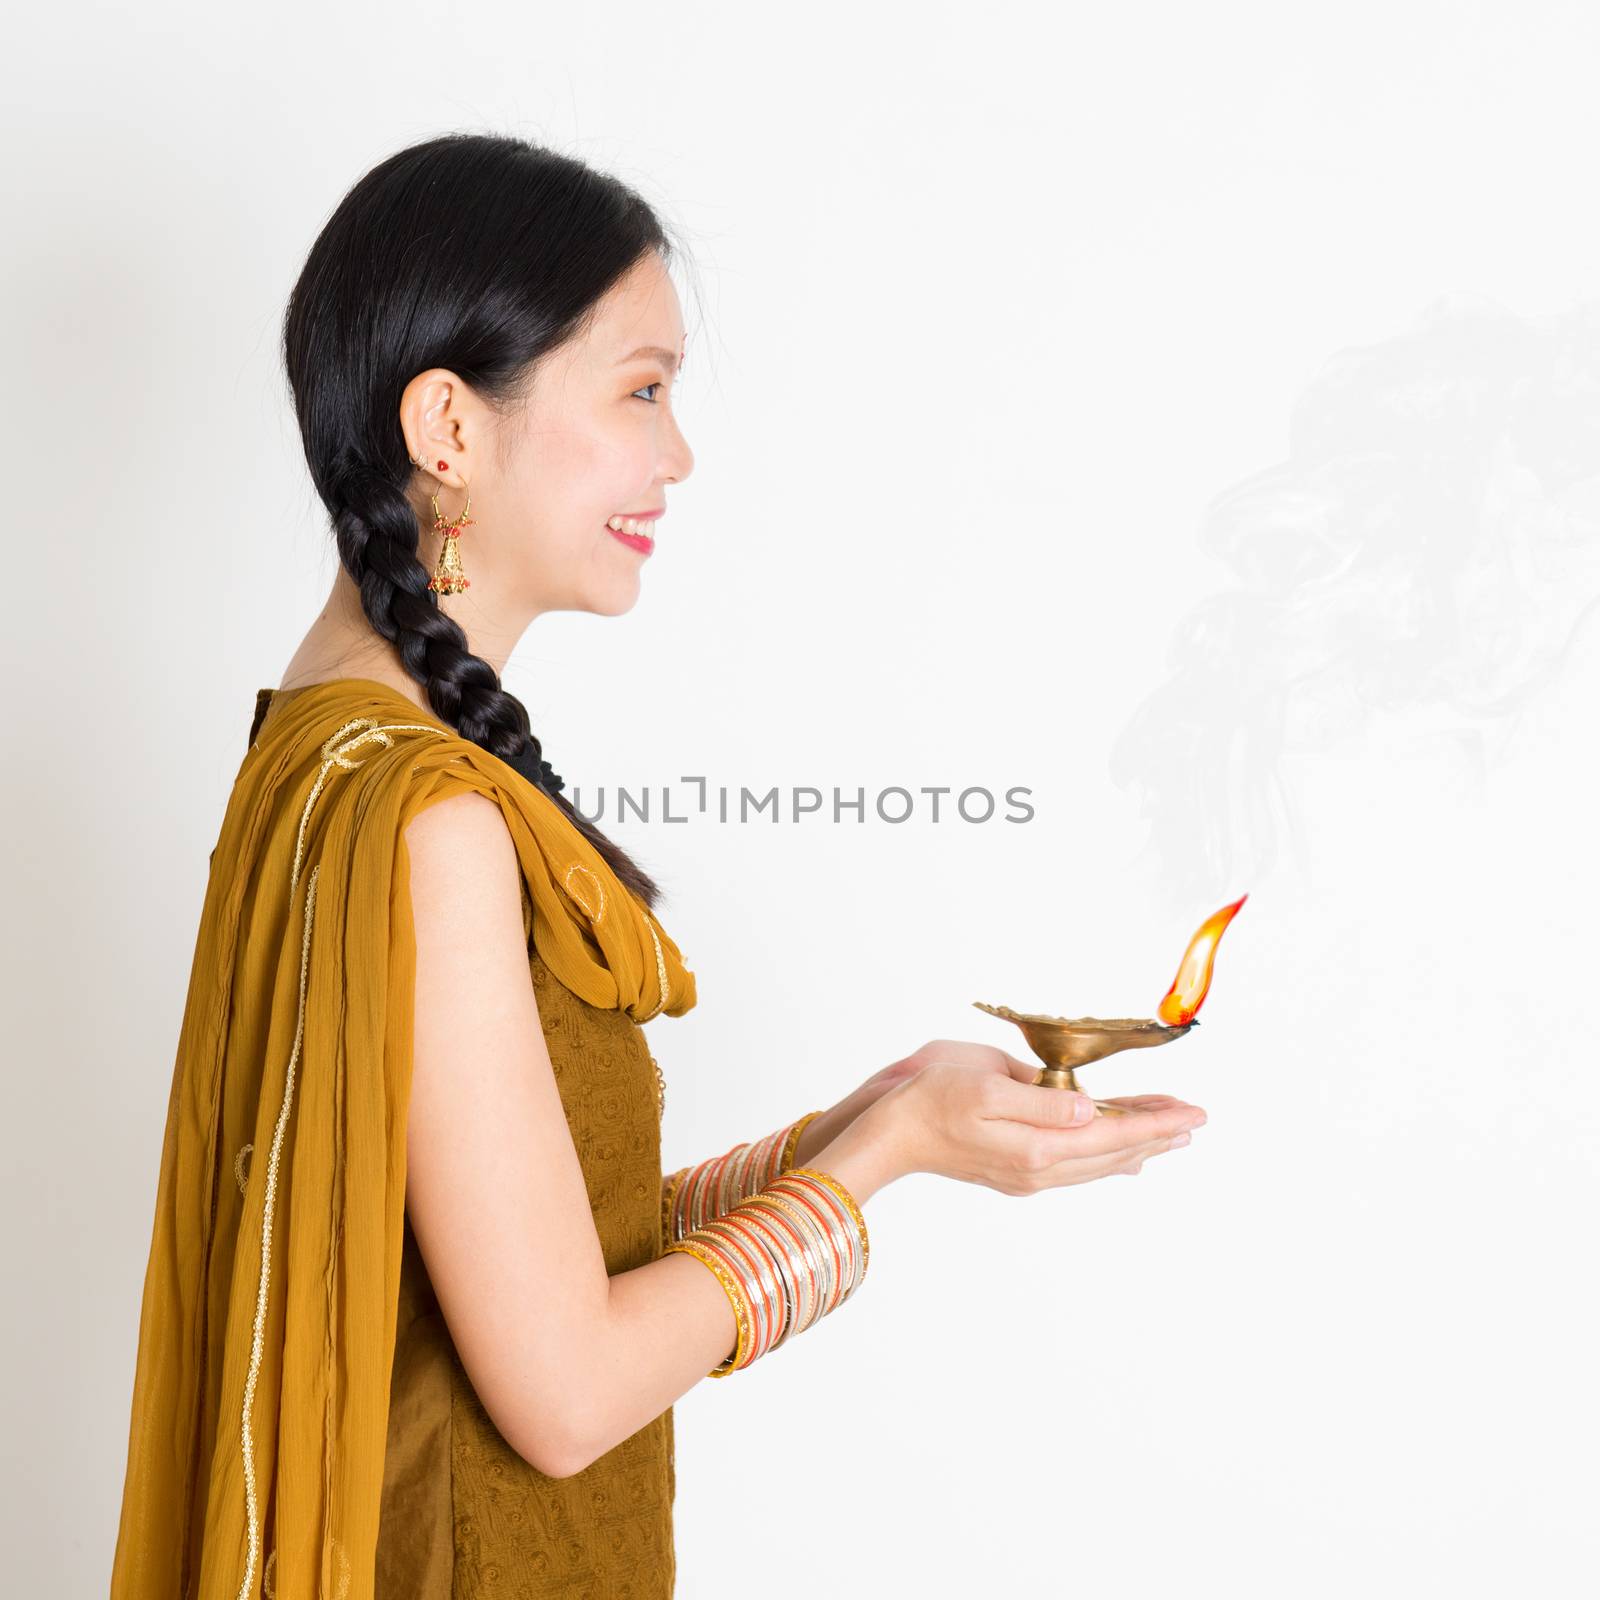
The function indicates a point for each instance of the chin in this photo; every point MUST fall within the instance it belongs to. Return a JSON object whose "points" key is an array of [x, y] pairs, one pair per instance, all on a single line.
{"points": [[615, 602]]}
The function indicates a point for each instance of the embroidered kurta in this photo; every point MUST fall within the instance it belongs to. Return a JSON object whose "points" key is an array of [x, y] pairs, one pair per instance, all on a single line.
{"points": [[302, 1424]]}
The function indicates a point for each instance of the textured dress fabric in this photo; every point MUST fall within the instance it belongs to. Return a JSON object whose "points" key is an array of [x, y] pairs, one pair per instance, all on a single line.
{"points": [[463, 1513], [301, 1424]]}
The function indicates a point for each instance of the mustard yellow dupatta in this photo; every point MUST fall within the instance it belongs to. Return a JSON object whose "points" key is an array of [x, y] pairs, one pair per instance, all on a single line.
{"points": [[266, 1336]]}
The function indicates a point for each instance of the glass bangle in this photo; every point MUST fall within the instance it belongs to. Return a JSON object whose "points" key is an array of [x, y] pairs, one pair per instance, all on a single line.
{"points": [[810, 1253], [828, 1191], [767, 1300], [707, 1255], [787, 1247], [846, 1199], [834, 1242]]}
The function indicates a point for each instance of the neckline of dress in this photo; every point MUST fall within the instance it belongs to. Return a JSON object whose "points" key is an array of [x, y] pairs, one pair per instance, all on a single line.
{"points": [[351, 686]]}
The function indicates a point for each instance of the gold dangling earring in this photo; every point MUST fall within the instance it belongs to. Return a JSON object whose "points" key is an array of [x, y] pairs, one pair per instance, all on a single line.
{"points": [[448, 576]]}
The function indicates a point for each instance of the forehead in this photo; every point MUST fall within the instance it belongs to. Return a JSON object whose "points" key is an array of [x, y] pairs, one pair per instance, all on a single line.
{"points": [[641, 310]]}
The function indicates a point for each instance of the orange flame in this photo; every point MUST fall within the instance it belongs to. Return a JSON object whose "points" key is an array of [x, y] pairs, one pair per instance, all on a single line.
{"points": [[1188, 992]]}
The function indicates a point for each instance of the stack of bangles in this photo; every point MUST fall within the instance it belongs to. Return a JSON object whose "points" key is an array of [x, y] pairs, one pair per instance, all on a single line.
{"points": [[788, 1244]]}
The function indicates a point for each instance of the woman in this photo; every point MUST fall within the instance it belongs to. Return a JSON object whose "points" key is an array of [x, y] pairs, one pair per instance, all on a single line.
{"points": [[420, 1298]]}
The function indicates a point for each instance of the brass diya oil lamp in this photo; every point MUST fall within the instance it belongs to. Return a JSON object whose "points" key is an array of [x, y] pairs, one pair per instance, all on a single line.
{"points": [[1064, 1044]]}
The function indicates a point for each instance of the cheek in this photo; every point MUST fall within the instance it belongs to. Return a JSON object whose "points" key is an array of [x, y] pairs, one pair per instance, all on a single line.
{"points": [[610, 462], [576, 473]]}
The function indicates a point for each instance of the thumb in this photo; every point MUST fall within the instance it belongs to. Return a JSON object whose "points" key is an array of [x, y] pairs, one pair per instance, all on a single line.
{"points": [[1040, 1105]]}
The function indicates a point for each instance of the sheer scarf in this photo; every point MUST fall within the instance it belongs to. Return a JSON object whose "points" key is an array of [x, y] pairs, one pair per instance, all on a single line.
{"points": [[260, 1402]]}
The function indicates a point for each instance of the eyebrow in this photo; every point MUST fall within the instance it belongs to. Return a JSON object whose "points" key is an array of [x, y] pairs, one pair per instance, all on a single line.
{"points": [[668, 358]]}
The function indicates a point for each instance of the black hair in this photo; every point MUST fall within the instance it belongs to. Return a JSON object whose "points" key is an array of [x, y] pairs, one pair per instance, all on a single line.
{"points": [[477, 252]]}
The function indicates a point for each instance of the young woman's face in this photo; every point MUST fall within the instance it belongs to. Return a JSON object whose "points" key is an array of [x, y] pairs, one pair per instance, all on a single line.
{"points": [[596, 440]]}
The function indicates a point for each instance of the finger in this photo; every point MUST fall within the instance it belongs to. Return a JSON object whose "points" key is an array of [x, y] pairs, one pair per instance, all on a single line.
{"points": [[1082, 1169], [1022, 1071], [1117, 1136], [1135, 1159], [1152, 1104], [1143, 1102]]}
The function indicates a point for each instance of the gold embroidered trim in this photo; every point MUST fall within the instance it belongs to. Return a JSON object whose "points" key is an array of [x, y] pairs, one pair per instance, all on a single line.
{"points": [[661, 970], [238, 1165], [600, 890], [336, 750], [335, 754], [247, 1438]]}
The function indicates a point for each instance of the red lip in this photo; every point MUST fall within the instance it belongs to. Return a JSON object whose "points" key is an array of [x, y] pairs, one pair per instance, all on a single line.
{"points": [[643, 516], [643, 542]]}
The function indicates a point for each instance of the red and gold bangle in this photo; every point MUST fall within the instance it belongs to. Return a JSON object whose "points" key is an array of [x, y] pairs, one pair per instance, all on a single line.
{"points": [[823, 1248], [696, 1184], [807, 1253], [828, 1188], [779, 1253], [709, 1253], [784, 1240], [789, 1144], [835, 1250], [798, 1254], [761, 1282], [839, 1251]]}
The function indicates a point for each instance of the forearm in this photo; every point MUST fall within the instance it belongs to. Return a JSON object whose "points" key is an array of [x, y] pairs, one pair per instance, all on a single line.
{"points": [[669, 1322]]}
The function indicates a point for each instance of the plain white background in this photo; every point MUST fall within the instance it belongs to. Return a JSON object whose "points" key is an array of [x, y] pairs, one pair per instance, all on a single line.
{"points": [[1191, 414]]}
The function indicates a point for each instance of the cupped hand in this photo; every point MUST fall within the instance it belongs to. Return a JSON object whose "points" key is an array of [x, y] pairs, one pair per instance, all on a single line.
{"points": [[972, 1112]]}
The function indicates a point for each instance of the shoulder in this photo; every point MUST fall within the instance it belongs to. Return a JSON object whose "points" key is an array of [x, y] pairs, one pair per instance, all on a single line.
{"points": [[464, 871], [465, 818]]}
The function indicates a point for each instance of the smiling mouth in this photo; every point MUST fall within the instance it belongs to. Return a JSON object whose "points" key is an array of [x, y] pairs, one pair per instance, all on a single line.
{"points": [[639, 527]]}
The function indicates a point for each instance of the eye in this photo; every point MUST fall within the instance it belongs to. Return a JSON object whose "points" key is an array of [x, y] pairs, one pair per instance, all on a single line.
{"points": [[638, 392]]}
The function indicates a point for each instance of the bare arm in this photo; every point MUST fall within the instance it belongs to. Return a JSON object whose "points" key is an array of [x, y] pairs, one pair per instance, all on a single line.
{"points": [[567, 1361]]}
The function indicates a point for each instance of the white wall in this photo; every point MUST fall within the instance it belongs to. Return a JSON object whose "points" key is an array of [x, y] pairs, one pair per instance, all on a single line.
{"points": [[993, 306]]}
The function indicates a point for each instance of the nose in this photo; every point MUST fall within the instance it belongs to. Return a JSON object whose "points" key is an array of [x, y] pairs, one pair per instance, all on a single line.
{"points": [[677, 458]]}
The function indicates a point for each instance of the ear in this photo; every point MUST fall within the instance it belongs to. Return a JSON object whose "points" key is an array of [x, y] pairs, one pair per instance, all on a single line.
{"points": [[436, 421]]}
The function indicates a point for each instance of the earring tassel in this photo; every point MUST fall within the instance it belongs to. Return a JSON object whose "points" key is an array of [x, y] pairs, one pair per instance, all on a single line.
{"points": [[448, 576]]}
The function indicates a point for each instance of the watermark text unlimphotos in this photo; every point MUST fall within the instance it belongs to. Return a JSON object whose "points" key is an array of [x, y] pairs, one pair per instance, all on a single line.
{"points": [[801, 803]]}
